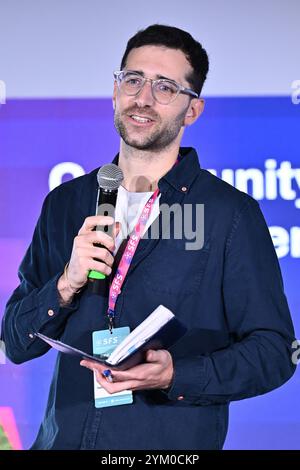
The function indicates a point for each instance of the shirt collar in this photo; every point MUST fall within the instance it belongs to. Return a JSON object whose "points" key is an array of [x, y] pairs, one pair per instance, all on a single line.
{"points": [[182, 175]]}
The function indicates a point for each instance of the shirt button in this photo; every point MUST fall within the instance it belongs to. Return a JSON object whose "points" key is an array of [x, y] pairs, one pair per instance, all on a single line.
{"points": [[50, 312], [31, 336], [184, 189], [181, 397]]}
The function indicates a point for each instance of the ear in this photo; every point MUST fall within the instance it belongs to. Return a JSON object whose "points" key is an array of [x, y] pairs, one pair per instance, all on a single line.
{"points": [[195, 110]]}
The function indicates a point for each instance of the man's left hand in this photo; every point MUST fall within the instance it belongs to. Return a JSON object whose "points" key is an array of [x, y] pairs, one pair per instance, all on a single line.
{"points": [[156, 372]]}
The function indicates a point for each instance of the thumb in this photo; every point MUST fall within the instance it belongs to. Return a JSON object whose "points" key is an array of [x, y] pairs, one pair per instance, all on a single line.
{"points": [[152, 356]]}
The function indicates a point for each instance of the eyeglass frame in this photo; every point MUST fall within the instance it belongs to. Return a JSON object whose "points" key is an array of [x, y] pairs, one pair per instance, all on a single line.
{"points": [[180, 88]]}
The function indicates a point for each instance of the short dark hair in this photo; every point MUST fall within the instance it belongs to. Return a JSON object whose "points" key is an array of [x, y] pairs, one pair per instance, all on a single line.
{"points": [[173, 38]]}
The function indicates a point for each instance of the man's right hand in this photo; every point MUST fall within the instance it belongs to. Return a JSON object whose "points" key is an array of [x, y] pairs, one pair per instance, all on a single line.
{"points": [[86, 257]]}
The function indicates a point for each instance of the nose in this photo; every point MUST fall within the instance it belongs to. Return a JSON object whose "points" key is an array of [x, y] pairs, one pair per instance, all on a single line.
{"points": [[145, 95]]}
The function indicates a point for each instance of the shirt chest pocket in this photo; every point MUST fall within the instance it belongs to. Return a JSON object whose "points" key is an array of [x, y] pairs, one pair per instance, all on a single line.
{"points": [[170, 268]]}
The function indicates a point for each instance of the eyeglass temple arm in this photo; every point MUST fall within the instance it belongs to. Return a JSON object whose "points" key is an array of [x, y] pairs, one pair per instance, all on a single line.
{"points": [[190, 92]]}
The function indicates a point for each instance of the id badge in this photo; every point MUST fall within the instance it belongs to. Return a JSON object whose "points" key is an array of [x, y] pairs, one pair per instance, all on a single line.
{"points": [[105, 342]]}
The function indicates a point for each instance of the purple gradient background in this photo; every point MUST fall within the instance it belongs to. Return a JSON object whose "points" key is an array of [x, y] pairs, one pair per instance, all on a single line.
{"points": [[233, 133]]}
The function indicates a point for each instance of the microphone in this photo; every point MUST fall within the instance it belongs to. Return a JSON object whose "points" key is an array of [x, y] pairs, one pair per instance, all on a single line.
{"points": [[109, 178]]}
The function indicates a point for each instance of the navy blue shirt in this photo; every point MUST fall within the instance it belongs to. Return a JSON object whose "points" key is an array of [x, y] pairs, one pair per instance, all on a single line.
{"points": [[229, 294]]}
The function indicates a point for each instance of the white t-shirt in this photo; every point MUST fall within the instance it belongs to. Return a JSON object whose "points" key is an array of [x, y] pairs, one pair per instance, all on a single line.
{"points": [[129, 207]]}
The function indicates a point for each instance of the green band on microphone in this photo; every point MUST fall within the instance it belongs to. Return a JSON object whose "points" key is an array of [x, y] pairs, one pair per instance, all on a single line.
{"points": [[96, 275]]}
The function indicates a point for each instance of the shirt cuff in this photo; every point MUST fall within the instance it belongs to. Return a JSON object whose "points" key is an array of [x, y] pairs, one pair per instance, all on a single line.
{"points": [[50, 315], [189, 379]]}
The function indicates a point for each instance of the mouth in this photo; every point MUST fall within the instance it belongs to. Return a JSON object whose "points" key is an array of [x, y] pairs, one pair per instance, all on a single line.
{"points": [[140, 120]]}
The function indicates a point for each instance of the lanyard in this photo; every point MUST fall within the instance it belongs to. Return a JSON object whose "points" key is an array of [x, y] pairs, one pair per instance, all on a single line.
{"points": [[126, 259]]}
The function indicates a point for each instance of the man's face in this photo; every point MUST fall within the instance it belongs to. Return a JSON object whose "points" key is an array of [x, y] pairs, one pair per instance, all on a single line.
{"points": [[166, 120]]}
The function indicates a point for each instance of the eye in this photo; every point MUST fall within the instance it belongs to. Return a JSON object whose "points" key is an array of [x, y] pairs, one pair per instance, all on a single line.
{"points": [[132, 80], [166, 87]]}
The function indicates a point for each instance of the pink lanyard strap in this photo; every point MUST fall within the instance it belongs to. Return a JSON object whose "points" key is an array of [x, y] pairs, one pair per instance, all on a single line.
{"points": [[126, 259]]}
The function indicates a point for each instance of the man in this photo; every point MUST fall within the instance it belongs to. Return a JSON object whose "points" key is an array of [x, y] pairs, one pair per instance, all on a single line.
{"points": [[229, 293]]}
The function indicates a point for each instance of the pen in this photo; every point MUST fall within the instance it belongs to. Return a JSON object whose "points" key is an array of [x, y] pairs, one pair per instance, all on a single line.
{"points": [[107, 374]]}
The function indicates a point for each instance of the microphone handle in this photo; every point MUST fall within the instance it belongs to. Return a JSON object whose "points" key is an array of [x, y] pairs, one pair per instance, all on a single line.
{"points": [[106, 203]]}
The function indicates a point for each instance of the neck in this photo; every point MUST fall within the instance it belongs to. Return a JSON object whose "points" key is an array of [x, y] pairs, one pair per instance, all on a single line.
{"points": [[143, 169]]}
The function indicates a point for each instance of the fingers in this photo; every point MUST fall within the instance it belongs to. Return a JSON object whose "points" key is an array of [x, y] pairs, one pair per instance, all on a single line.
{"points": [[95, 254], [109, 384], [137, 374], [118, 376], [142, 377], [91, 222], [112, 387], [99, 267], [86, 257], [119, 380], [88, 235], [94, 240], [92, 250]]}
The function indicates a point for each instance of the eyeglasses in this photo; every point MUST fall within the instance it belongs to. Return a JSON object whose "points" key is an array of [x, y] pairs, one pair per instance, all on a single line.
{"points": [[164, 91]]}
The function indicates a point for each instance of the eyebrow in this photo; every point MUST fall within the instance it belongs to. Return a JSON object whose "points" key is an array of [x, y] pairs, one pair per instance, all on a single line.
{"points": [[158, 77]]}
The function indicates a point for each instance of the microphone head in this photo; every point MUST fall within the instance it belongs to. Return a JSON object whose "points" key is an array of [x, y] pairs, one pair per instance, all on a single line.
{"points": [[110, 177]]}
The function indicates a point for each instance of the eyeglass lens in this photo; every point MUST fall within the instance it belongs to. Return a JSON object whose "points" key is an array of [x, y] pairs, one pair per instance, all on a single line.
{"points": [[164, 91]]}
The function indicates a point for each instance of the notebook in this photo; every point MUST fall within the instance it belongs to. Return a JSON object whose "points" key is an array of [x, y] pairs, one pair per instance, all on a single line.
{"points": [[160, 330]]}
